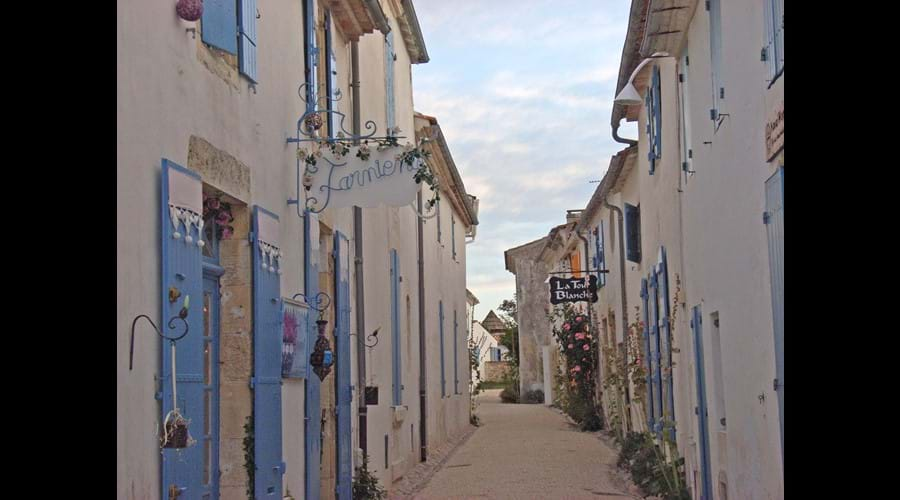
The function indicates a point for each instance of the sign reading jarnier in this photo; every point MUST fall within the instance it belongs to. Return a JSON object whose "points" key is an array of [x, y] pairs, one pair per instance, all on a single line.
{"points": [[573, 290], [347, 181]]}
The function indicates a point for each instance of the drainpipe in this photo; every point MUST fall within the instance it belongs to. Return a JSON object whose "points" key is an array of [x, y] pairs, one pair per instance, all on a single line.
{"points": [[423, 379], [615, 134], [358, 271], [624, 295]]}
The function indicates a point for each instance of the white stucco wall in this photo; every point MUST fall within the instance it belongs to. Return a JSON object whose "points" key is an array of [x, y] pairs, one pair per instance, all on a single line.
{"points": [[166, 94]]}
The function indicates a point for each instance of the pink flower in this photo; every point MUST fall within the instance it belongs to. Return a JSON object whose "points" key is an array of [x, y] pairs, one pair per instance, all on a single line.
{"points": [[577, 368], [578, 319], [571, 346], [566, 326], [579, 336], [586, 347], [223, 218], [226, 232]]}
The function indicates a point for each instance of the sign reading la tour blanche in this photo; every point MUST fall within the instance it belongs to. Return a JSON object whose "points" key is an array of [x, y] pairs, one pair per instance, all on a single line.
{"points": [[340, 182], [573, 290]]}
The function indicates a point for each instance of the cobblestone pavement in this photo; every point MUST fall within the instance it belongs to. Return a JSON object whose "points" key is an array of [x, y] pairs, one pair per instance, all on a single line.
{"points": [[526, 451]]}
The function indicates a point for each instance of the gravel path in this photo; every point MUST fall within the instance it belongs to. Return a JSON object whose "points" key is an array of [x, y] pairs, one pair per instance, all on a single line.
{"points": [[527, 451]]}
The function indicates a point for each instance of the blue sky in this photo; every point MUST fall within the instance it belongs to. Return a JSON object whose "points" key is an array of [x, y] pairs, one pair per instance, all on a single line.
{"points": [[523, 91]]}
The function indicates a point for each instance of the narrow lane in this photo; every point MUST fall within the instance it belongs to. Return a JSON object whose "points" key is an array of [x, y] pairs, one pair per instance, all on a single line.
{"points": [[527, 451]]}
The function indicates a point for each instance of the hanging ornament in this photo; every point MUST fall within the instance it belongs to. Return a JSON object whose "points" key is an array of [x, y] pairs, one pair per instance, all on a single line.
{"points": [[189, 10], [322, 358]]}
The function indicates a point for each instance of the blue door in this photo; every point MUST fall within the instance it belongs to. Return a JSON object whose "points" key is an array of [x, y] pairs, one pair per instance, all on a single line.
{"points": [[312, 402], [700, 410], [342, 386]]}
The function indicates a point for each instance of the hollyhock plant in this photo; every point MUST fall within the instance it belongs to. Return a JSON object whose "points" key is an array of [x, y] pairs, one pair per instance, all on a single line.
{"points": [[578, 354], [566, 327]]}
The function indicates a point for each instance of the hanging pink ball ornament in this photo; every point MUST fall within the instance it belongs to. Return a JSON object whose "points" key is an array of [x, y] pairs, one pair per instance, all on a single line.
{"points": [[189, 10]]}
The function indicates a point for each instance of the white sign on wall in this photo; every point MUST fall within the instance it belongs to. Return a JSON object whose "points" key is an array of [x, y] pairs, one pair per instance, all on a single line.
{"points": [[340, 182]]}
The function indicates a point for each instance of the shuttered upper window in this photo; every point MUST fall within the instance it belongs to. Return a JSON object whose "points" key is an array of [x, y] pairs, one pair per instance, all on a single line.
{"points": [[773, 51], [654, 120], [715, 53], [633, 233], [231, 26]]}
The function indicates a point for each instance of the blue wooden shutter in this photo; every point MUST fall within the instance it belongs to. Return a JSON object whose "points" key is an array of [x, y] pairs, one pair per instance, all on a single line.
{"points": [[267, 339], [700, 411], [312, 405], [775, 229], [770, 54], [645, 310], [438, 209], [397, 372], [343, 361], [311, 60], [657, 116], [247, 54], [182, 268], [662, 277], [648, 105], [655, 355], [453, 233], [633, 233], [601, 255], [441, 330], [218, 25], [389, 56], [455, 355], [331, 71]]}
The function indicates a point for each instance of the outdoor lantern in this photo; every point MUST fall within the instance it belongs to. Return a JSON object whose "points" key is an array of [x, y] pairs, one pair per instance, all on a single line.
{"points": [[629, 95], [322, 358]]}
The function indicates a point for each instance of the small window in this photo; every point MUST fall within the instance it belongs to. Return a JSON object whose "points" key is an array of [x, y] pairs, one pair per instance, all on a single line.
{"points": [[633, 233]]}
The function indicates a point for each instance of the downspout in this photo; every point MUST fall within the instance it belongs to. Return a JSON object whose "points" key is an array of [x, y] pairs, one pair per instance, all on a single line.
{"points": [[358, 270], [615, 134], [624, 295], [423, 379]]}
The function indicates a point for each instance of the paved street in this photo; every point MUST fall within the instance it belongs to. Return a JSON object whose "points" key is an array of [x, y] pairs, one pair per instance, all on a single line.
{"points": [[527, 451]]}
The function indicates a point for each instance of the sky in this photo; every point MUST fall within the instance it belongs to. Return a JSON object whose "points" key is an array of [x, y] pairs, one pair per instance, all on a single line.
{"points": [[523, 92]]}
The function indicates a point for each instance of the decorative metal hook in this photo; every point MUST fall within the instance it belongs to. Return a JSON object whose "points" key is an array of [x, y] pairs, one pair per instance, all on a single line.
{"points": [[181, 316], [374, 335], [319, 298]]}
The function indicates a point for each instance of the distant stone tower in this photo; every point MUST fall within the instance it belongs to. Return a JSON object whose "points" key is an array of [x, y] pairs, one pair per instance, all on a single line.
{"points": [[494, 325]]}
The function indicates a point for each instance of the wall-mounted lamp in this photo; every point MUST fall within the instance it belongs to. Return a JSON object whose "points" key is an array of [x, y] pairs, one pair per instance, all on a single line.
{"points": [[629, 95]]}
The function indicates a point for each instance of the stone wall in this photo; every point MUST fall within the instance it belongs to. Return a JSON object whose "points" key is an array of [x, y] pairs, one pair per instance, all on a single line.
{"points": [[534, 327], [494, 371]]}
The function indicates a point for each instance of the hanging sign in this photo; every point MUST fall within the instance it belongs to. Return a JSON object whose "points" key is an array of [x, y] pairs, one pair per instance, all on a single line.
{"points": [[293, 341], [344, 181], [775, 131], [573, 290]]}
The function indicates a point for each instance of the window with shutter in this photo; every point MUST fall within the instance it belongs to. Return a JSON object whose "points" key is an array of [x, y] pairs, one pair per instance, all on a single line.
{"points": [[312, 54], [247, 47], [182, 269], [343, 361], [773, 51], [654, 353], [218, 25], [267, 338], [633, 233], [775, 229], [389, 57], [654, 120], [331, 79], [601, 255]]}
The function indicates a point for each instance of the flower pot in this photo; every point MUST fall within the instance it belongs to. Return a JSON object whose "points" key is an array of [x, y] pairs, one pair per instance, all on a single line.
{"points": [[176, 434], [189, 10]]}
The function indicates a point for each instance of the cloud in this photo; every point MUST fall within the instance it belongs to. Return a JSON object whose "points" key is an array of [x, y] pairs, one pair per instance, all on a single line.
{"points": [[523, 92]]}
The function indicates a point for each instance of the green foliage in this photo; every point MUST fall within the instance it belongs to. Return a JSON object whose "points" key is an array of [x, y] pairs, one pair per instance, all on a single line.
{"points": [[249, 461], [365, 484], [475, 383], [649, 468], [572, 331], [508, 395]]}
